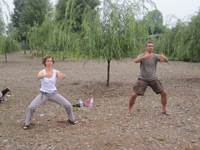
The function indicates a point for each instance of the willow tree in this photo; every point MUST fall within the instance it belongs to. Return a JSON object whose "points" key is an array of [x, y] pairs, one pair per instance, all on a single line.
{"points": [[66, 8], [66, 37], [55, 36], [39, 37], [192, 40], [182, 41], [61, 38], [8, 45], [115, 34], [63, 33]]}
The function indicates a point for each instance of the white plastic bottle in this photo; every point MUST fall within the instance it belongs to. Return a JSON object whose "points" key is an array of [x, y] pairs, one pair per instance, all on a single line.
{"points": [[91, 102], [81, 103]]}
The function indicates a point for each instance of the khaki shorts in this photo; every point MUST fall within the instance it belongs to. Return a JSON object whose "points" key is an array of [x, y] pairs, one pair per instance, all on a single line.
{"points": [[141, 85]]}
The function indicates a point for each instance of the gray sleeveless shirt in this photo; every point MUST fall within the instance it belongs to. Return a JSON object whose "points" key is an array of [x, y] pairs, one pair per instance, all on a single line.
{"points": [[148, 68]]}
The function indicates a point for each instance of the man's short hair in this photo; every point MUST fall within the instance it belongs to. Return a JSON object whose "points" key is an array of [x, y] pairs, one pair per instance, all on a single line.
{"points": [[148, 43]]}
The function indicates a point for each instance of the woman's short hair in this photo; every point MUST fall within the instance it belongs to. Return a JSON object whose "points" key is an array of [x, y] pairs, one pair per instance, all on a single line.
{"points": [[45, 59]]}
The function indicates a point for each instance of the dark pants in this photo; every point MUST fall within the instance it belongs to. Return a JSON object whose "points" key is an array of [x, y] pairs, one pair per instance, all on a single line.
{"points": [[5, 91]]}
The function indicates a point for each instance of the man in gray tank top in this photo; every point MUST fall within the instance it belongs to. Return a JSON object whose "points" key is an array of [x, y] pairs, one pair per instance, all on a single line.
{"points": [[147, 77]]}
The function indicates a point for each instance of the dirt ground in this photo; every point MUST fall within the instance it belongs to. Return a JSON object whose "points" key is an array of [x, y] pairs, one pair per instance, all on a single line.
{"points": [[103, 126]]}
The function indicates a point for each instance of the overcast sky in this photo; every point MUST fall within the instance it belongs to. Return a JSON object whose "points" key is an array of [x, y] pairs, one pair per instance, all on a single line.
{"points": [[179, 8]]}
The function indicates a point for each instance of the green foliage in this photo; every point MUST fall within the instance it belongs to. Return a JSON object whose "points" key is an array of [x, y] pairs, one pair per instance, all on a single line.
{"points": [[8, 107], [115, 31], [73, 10], [193, 39], [154, 22], [115, 34], [30, 57], [182, 42], [8, 45], [27, 13], [34, 11], [19, 6], [39, 37], [75, 109], [161, 139]]}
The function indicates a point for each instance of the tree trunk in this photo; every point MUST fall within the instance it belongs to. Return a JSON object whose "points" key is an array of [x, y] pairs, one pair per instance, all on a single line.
{"points": [[59, 54], [31, 51], [42, 53], [63, 57], [25, 48], [64, 53], [108, 72], [5, 57], [38, 52]]}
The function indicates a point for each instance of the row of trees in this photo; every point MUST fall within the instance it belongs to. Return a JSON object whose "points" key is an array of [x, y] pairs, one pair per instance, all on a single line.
{"points": [[183, 41], [81, 29], [84, 29]]}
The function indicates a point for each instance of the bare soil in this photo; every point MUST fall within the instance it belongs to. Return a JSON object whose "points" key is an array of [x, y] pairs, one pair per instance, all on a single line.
{"points": [[103, 126]]}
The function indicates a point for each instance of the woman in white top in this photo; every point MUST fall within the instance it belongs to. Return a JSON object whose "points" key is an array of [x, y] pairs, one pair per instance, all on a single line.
{"points": [[48, 91]]}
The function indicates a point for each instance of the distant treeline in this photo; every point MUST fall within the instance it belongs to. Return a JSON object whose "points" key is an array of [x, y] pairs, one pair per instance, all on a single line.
{"points": [[86, 29], [183, 41]]}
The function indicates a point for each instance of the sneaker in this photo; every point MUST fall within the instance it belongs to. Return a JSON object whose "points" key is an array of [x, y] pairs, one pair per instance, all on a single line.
{"points": [[3, 100]]}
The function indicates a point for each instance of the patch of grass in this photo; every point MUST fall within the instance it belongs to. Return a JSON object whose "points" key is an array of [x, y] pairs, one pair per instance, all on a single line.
{"points": [[75, 109], [161, 139], [154, 95], [30, 57], [13, 97], [10, 135], [8, 107], [9, 124], [101, 132], [20, 92], [197, 71]]}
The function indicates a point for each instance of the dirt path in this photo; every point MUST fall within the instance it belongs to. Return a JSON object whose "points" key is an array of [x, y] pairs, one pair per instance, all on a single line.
{"points": [[103, 126]]}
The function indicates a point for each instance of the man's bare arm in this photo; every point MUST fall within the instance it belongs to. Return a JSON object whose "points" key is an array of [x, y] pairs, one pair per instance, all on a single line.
{"points": [[146, 56], [163, 58]]}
